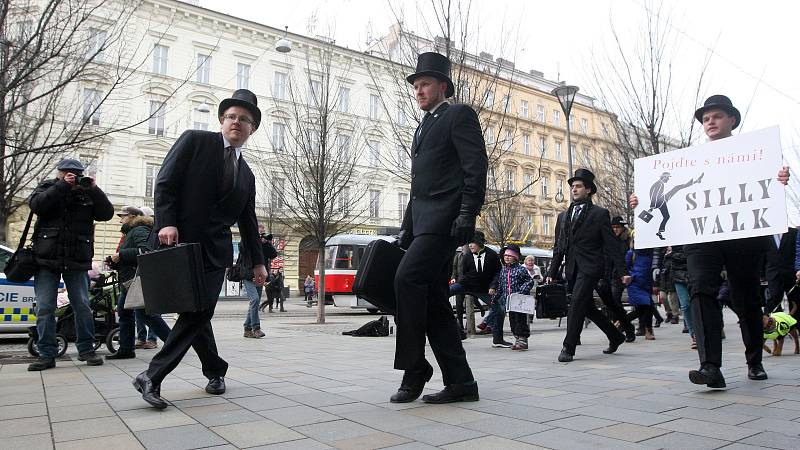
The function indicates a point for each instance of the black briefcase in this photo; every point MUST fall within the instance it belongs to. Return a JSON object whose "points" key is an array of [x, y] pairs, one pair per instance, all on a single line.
{"points": [[646, 216], [173, 280], [551, 301], [374, 280]]}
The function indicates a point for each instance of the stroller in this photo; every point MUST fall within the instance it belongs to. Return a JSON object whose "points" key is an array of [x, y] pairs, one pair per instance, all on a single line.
{"points": [[104, 292]]}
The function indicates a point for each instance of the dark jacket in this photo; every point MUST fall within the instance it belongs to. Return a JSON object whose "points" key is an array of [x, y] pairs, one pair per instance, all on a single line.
{"points": [[135, 243], [780, 261], [276, 282], [470, 279], [448, 170], [621, 246], [189, 195], [247, 265], [679, 271], [586, 245], [638, 263], [63, 236], [512, 279]]}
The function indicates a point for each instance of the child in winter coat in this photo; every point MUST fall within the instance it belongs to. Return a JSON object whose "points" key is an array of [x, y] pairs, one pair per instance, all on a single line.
{"points": [[513, 278], [638, 263]]}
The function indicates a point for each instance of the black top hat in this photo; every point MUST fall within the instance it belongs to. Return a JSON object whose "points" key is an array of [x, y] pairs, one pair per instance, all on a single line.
{"points": [[618, 220], [479, 238], [721, 102], [245, 99], [435, 65], [586, 176]]}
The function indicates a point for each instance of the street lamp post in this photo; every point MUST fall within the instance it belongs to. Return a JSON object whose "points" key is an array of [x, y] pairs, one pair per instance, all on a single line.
{"points": [[566, 95]]}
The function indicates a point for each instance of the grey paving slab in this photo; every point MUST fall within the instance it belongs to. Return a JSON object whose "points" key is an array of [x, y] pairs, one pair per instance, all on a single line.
{"points": [[713, 415], [263, 402], [388, 420], [116, 442], [24, 426], [23, 410], [260, 432], [491, 442], [329, 432], [774, 440], [370, 441], [299, 444], [708, 429], [761, 411], [506, 427], [629, 432], [29, 442], [438, 434], [221, 414], [320, 398], [179, 438], [581, 423], [298, 415], [90, 411], [150, 418], [680, 441], [524, 412], [88, 428], [743, 447], [622, 414], [560, 438]]}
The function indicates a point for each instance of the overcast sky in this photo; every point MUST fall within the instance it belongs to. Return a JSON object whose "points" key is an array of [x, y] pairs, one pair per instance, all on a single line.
{"points": [[753, 59]]}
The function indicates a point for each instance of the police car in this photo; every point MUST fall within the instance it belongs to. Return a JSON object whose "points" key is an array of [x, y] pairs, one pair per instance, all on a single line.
{"points": [[16, 300]]}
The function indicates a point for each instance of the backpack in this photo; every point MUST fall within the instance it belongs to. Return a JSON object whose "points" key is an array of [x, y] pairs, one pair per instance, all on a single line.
{"points": [[373, 328]]}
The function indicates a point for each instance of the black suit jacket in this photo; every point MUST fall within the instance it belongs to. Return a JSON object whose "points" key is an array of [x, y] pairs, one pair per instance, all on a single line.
{"points": [[189, 196], [780, 260], [473, 281], [448, 170], [588, 248]]}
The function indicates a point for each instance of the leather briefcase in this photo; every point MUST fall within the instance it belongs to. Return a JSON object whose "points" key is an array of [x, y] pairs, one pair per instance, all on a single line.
{"points": [[173, 280], [552, 301], [374, 280], [646, 216]]}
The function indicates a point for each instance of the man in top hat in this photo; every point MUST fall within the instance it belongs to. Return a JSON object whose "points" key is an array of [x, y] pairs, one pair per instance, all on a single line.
{"points": [[203, 188], [584, 242], [448, 186], [706, 260]]}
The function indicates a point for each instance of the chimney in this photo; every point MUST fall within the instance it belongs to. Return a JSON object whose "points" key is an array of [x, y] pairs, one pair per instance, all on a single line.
{"points": [[505, 63], [536, 73], [484, 55]]}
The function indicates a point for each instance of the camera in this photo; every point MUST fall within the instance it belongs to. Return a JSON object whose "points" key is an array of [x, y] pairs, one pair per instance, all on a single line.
{"points": [[84, 182], [266, 237]]}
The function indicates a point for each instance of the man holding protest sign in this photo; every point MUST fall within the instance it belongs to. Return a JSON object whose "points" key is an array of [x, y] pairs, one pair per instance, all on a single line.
{"points": [[705, 261]]}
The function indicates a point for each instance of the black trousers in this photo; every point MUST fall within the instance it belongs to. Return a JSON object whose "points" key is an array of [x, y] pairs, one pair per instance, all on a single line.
{"points": [[704, 263], [423, 309], [778, 286], [192, 329], [644, 313], [519, 324], [582, 307], [665, 217], [613, 302], [460, 310]]}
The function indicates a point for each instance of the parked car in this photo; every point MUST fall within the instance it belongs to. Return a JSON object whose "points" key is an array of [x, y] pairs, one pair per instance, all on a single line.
{"points": [[17, 300]]}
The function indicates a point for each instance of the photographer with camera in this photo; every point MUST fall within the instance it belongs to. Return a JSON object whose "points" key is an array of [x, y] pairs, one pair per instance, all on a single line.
{"points": [[63, 243]]}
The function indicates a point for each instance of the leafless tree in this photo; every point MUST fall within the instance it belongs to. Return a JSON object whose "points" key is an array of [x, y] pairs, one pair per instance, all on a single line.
{"points": [[63, 64], [317, 182]]}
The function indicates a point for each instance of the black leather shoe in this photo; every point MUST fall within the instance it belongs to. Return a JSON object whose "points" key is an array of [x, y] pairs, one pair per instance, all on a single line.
{"points": [[42, 364], [614, 344], [150, 393], [411, 387], [453, 393], [216, 386], [463, 334], [709, 375], [756, 372], [122, 354], [564, 356]]}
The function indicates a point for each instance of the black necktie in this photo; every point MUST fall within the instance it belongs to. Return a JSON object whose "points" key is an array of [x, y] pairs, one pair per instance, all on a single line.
{"points": [[480, 267], [229, 174], [577, 212], [422, 123]]}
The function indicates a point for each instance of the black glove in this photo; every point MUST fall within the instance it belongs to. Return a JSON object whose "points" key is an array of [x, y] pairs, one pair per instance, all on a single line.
{"points": [[602, 284], [463, 229], [404, 238]]}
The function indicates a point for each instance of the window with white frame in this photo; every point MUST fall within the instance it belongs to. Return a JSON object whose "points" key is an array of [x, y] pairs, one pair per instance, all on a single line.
{"points": [[344, 199], [203, 68], [278, 136], [242, 76], [540, 113], [150, 175], [402, 203], [314, 93], [529, 223], [374, 203], [544, 182], [278, 188], [160, 59], [584, 126], [343, 147], [465, 93], [510, 184], [374, 154], [556, 118], [560, 186], [343, 99], [572, 150], [509, 140], [557, 154], [279, 85], [545, 224], [403, 160], [527, 178], [526, 144], [507, 103], [491, 179], [523, 108], [542, 147], [401, 113], [586, 156], [490, 136], [604, 127], [96, 44], [155, 124], [374, 106], [91, 106], [201, 119], [489, 99]]}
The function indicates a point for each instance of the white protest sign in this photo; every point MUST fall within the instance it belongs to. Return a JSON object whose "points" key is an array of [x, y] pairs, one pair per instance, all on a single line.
{"points": [[521, 303], [725, 189]]}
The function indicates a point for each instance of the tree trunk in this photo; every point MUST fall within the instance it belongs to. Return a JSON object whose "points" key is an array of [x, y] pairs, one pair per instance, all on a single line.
{"points": [[321, 301]]}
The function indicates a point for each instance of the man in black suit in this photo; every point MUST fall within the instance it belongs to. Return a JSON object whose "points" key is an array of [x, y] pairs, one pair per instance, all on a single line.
{"points": [[203, 188], [477, 270], [448, 186], [584, 239], [779, 262]]}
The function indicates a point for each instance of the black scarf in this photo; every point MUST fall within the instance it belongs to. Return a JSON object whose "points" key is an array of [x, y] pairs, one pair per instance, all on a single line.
{"points": [[569, 227]]}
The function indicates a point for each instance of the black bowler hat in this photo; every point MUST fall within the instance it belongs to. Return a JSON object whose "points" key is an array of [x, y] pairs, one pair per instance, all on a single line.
{"points": [[618, 220], [245, 99], [434, 65], [586, 176], [720, 102]]}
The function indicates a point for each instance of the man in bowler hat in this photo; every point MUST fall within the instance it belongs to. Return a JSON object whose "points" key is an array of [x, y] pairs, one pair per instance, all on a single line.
{"points": [[706, 260], [448, 187], [585, 243], [203, 188]]}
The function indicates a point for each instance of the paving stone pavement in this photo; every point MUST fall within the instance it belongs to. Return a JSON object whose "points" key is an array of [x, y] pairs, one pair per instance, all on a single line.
{"points": [[305, 386]]}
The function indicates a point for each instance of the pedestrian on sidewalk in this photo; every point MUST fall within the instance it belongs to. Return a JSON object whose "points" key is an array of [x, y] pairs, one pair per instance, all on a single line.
{"points": [[276, 286], [66, 208], [513, 278], [308, 290], [203, 188], [640, 288]]}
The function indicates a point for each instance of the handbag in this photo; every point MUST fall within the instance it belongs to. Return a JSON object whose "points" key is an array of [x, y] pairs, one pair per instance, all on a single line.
{"points": [[521, 303], [134, 298], [234, 273], [21, 267], [173, 280]]}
